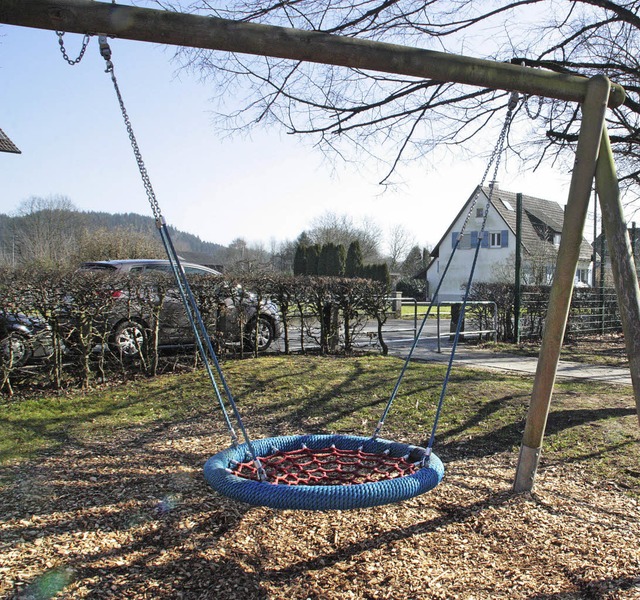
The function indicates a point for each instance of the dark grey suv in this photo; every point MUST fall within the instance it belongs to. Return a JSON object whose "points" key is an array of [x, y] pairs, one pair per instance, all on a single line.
{"points": [[128, 326]]}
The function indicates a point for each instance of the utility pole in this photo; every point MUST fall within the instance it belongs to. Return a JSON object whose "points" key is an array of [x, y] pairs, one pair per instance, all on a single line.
{"points": [[518, 274]]}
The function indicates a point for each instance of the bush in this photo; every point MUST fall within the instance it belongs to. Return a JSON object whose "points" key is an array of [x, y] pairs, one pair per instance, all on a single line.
{"points": [[412, 288], [330, 311]]}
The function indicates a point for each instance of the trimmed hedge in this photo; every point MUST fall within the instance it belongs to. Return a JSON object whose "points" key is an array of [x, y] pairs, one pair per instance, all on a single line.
{"points": [[327, 311]]}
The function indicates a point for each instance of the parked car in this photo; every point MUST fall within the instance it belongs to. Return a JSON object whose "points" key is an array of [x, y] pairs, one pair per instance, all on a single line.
{"points": [[24, 339], [128, 329]]}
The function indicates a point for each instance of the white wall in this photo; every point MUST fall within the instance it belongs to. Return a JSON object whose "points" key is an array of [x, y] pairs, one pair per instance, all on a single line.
{"points": [[458, 274]]}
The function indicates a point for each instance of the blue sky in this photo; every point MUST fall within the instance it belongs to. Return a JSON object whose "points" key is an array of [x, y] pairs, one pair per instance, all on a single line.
{"points": [[265, 187]]}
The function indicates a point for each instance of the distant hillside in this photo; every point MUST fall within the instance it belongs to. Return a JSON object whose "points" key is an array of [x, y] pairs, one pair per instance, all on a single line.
{"points": [[182, 240], [65, 225]]}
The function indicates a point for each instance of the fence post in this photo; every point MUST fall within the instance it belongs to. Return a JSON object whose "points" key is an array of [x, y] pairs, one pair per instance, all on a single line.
{"points": [[438, 328], [396, 304]]}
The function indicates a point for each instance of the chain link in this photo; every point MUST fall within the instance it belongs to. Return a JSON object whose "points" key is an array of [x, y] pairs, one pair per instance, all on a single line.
{"points": [[105, 51], [530, 113], [85, 43], [496, 156]]}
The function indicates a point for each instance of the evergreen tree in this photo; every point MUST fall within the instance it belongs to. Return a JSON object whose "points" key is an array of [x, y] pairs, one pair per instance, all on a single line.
{"points": [[413, 263], [353, 264], [322, 260], [300, 260], [313, 255], [378, 272], [340, 260], [332, 260]]}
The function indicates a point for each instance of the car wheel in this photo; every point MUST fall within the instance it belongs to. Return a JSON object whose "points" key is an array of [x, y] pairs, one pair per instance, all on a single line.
{"points": [[265, 334], [15, 350], [128, 339]]}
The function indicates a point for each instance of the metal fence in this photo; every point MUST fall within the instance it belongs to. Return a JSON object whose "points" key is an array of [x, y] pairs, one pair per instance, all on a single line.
{"points": [[593, 311], [405, 315]]}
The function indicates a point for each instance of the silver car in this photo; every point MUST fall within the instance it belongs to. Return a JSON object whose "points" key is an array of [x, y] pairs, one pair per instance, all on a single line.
{"points": [[128, 329]]}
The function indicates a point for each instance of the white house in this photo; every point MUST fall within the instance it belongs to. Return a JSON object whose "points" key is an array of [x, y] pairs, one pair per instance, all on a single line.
{"points": [[541, 230]]}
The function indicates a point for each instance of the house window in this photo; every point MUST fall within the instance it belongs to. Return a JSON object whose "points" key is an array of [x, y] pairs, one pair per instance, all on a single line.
{"points": [[582, 276], [495, 239], [479, 213]]}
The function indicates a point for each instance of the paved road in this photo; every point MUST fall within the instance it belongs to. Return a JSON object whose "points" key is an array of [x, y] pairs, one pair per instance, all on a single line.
{"points": [[487, 359], [427, 350]]}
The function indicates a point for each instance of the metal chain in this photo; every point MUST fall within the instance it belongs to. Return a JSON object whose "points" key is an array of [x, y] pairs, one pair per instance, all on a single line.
{"points": [[105, 51], [85, 43], [497, 155], [530, 113], [494, 158], [203, 341]]}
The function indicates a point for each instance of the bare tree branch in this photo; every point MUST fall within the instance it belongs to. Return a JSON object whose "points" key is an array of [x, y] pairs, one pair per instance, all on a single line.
{"points": [[351, 113]]}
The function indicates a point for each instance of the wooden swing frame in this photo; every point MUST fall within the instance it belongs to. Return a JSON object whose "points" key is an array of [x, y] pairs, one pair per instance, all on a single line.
{"points": [[594, 157]]}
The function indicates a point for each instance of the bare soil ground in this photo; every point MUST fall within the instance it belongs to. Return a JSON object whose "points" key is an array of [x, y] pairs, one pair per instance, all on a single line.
{"points": [[606, 349], [133, 518]]}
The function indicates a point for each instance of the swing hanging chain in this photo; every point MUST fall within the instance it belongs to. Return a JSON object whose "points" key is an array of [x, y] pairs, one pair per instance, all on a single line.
{"points": [[497, 155], [188, 299], [494, 158], [105, 51], [85, 43]]}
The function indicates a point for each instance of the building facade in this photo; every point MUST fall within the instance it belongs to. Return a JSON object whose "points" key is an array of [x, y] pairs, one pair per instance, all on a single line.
{"points": [[540, 234]]}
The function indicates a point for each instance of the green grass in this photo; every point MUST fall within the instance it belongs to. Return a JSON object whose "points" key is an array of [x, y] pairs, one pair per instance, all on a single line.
{"points": [[592, 424], [408, 311]]}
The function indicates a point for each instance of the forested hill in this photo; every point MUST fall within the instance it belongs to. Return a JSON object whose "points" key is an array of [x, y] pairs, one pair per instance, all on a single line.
{"points": [[144, 224], [91, 220], [59, 236]]}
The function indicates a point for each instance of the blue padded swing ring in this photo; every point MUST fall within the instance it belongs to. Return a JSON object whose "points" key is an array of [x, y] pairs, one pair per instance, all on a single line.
{"points": [[217, 472]]}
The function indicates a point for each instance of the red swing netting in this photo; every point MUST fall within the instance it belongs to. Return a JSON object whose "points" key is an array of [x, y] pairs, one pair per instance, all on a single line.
{"points": [[326, 466]]}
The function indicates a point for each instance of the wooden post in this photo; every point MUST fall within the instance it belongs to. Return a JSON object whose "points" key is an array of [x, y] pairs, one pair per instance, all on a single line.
{"points": [[621, 256], [591, 131], [180, 29]]}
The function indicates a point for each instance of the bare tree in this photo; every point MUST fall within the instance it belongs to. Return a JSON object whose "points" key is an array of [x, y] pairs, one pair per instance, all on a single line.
{"points": [[46, 232], [241, 257], [400, 243], [354, 114], [331, 228]]}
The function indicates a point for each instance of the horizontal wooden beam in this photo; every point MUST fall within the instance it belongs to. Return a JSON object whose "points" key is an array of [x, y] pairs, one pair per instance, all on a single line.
{"points": [[180, 29]]}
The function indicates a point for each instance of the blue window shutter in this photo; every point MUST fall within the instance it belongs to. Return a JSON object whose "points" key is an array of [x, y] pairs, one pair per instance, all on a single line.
{"points": [[474, 239], [454, 238], [485, 239], [504, 238]]}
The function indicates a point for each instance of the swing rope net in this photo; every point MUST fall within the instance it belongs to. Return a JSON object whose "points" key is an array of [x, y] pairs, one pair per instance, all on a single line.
{"points": [[327, 466]]}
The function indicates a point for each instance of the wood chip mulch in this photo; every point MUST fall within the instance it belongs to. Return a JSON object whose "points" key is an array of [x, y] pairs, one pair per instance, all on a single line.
{"points": [[134, 519]]}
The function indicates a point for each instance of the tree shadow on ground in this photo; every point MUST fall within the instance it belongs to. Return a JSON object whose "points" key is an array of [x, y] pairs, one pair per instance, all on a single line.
{"points": [[460, 441]]}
